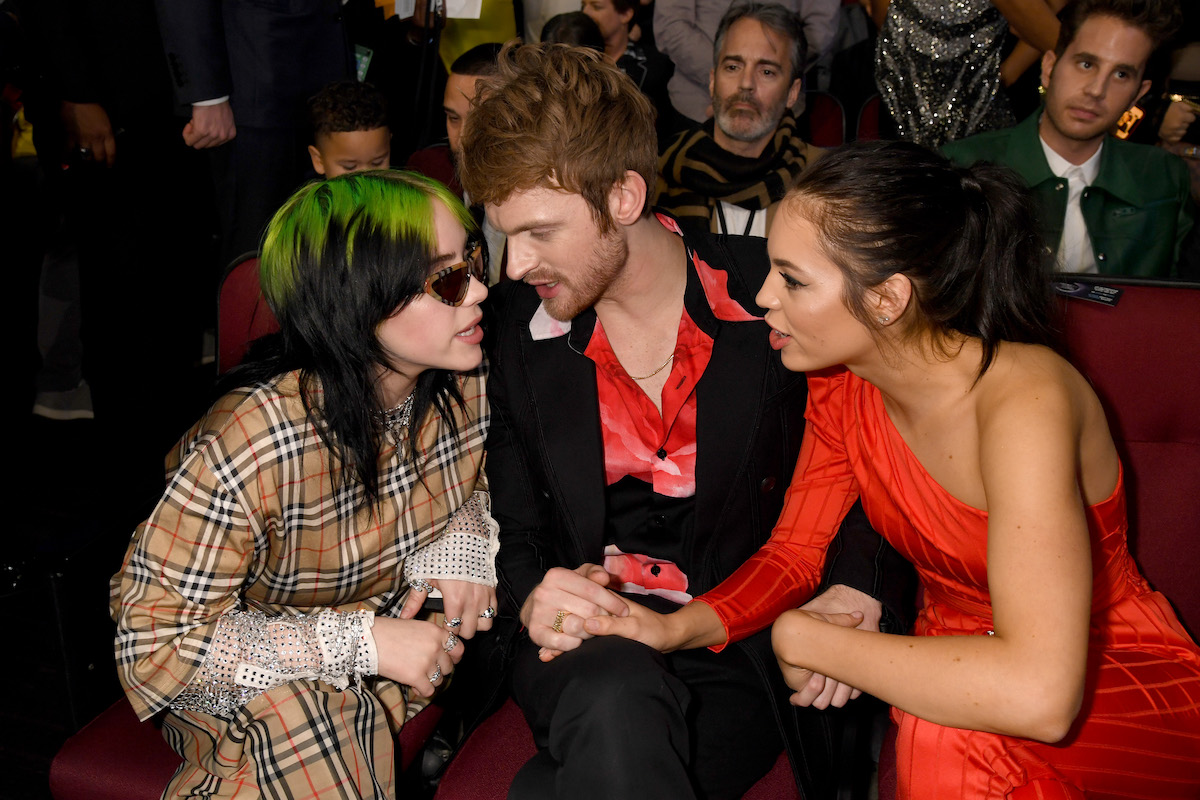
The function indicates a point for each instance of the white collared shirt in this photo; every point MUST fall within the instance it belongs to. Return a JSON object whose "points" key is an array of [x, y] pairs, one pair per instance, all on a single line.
{"points": [[1075, 252], [741, 221]]}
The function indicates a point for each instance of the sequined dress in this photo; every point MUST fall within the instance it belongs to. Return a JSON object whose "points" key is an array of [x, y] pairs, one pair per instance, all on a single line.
{"points": [[937, 66], [251, 521], [1138, 734]]}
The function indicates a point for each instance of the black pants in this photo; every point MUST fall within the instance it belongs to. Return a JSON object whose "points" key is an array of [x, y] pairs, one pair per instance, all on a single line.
{"points": [[615, 718], [253, 175]]}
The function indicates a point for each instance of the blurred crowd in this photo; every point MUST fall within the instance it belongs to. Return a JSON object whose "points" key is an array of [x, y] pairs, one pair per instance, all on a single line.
{"points": [[149, 143]]}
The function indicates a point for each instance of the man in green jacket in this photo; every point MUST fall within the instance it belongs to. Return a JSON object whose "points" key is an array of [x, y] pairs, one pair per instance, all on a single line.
{"points": [[1106, 205]]}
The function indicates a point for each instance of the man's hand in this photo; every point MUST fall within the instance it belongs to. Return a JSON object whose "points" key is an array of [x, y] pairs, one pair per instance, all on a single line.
{"points": [[210, 126], [833, 605], [568, 597], [1178, 117], [89, 131]]}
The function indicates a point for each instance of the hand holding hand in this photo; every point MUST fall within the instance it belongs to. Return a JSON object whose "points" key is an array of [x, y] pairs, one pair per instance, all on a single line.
{"points": [[788, 641], [642, 625], [835, 603], [555, 610], [210, 126], [462, 600], [89, 131], [414, 652]]}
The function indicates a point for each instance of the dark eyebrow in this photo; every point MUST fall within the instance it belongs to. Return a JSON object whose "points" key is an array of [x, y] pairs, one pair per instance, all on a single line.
{"points": [[762, 62], [1095, 58]]}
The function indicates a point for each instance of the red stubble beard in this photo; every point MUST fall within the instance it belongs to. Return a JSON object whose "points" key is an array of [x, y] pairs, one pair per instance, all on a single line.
{"points": [[580, 292]]}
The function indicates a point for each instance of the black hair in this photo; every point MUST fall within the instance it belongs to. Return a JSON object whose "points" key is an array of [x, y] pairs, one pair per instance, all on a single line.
{"points": [[339, 258], [965, 237], [478, 62], [1160, 20], [574, 28], [347, 106]]}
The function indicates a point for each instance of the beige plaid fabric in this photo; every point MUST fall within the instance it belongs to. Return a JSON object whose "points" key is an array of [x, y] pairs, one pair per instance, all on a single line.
{"points": [[251, 520]]}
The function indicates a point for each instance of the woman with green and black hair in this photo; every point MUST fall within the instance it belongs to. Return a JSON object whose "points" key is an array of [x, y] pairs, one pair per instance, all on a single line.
{"points": [[269, 604]]}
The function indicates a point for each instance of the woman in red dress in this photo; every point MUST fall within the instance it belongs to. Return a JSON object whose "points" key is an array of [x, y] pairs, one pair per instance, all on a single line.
{"points": [[915, 296]]}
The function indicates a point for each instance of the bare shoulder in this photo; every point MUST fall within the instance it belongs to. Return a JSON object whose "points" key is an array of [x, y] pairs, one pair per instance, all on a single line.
{"points": [[1033, 399], [1025, 378]]}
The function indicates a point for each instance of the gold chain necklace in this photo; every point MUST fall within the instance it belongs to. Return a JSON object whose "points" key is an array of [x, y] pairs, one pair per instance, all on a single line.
{"points": [[661, 367]]}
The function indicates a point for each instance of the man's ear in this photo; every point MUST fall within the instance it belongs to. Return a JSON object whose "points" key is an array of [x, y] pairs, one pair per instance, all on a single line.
{"points": [[1048, 62], [627, 198], [889, 300], [794, 93], [315, 155], [1140, 94], [712, 82]]}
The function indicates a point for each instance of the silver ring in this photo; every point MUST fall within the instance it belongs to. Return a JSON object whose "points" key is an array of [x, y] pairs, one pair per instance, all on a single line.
{"points": [[437, 673], [421, 585], [488, 613], [454, 622], [85, 152], [451, 643]]}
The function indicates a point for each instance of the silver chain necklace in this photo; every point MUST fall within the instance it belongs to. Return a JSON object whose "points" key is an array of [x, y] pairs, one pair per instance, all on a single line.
{"points": [[396, 419]]}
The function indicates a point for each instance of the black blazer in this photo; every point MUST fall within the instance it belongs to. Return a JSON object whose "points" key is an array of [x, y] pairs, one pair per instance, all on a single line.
{"points": [[545, 461], [268, 56], [545, 449]]}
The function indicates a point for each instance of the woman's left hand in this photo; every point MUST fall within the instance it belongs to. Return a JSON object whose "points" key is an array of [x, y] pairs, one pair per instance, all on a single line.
{"points": [[788, 641], [462, 600]]}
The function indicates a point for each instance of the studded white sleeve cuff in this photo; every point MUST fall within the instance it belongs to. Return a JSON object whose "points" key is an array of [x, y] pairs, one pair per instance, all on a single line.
{"points": [[251, 653], [466, 550]]}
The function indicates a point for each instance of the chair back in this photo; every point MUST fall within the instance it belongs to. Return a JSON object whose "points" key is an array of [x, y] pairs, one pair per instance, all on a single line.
{"points": [[1142, 356], [826, 119], [867, 129], [242, 312]]}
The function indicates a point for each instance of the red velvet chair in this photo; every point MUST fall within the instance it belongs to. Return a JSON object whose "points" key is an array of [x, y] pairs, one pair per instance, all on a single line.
{"points": [[826, 119], [867, 128], [490, 758], [1142, 356], [242, 312], [115, 757]]}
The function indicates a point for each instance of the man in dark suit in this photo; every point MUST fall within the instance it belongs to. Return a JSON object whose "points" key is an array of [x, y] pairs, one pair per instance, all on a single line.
{"points": [[643, 436], [244, 70], [128, 228]]}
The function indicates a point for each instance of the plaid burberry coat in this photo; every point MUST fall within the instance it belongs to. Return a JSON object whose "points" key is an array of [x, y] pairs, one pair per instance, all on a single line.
{"points": [[251, 519]]}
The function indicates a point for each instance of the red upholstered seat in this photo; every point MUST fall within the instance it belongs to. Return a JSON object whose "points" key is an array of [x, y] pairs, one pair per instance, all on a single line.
{"points": [[1142, 356], [115, 757], [242, 312], [867, 128], [488, 761], [826, 119]]}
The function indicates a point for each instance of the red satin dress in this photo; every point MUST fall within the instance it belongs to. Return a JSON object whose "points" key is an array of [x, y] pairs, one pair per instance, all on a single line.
{"points": [[1138, 734]]}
